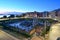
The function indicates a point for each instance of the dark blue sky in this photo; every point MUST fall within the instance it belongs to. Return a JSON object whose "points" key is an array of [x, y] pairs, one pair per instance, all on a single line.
{"points": [[29, 5]]}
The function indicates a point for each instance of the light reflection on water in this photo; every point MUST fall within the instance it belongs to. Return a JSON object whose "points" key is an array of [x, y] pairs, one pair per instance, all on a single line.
{"points": [[24, 27], [17, 25]]}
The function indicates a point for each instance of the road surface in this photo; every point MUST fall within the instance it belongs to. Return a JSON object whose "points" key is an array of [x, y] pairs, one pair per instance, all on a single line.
{"points": [[6, 36], [54, 32]]}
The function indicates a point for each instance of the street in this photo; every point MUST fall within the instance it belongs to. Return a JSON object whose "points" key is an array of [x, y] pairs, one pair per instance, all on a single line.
{"points": [[54, 32]]}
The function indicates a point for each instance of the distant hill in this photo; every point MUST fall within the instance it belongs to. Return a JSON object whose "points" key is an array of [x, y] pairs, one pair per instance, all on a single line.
{"points": [[57, 9], [9, 13]]}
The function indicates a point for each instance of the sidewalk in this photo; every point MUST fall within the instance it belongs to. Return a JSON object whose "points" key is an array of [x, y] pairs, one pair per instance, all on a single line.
{"points": [[6, 36], [54, 32]]}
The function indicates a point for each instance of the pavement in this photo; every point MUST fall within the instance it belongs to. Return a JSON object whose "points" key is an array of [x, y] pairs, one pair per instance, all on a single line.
{"points": [[54, 32], [6, 36], [35, 37]]}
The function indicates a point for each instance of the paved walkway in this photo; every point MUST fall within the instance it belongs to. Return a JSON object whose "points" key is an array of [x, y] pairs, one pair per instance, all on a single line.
{"points": [[6, 36], [35, 37], [54, 32]]}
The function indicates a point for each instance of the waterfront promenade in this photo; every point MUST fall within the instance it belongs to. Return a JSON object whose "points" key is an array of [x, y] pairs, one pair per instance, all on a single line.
{"points": [[6, 36], [54, 32]]}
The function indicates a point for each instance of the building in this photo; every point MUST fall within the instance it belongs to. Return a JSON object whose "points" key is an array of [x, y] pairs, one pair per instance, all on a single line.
{"points": [[52, 14], [58, 14], [31, 14], [45, 14], [36, 14]]}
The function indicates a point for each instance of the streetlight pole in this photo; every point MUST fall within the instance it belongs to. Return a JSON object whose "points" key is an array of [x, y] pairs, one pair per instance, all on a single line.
{"points": [[45, 24]]}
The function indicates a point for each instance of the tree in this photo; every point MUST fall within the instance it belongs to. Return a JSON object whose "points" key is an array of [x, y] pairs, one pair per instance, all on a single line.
{"points": [[11, 16], [18, 15], [4, 16]]}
